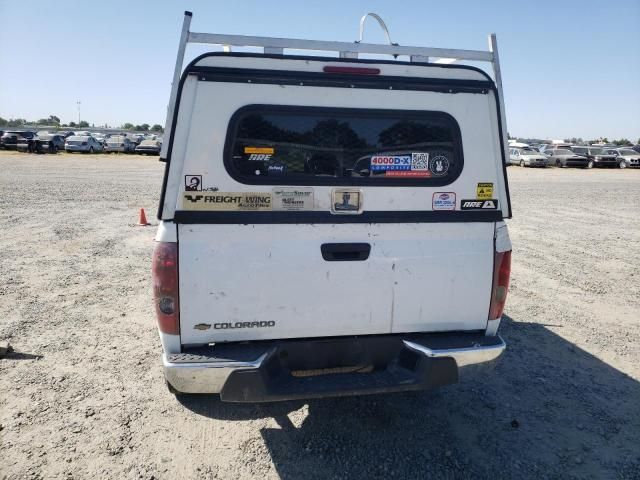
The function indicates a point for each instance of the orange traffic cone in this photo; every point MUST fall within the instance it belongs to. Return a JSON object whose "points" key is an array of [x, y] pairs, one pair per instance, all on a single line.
{"points": [[143, 219]]}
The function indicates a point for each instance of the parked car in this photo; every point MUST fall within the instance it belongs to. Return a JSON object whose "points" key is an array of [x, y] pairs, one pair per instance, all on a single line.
{"points": [[45, 143], [636, 148], [527, 157], [596, 156], [64, 133], [119, 143], [27, 145], [83, 143], [135, 137], [151, 147], [563, 157], [552, 146], [626, 156], [10, 139], [99, 137], [353, 288]]}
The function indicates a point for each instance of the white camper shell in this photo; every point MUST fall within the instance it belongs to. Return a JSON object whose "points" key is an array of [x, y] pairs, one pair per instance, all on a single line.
{"points": [[330, 225]]}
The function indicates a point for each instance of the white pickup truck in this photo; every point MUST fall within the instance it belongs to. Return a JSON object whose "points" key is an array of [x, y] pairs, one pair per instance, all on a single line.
{"points": [[330, 225]]}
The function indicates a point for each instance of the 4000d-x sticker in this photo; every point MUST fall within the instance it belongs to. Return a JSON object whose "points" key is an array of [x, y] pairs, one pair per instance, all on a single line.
{"points": [[414, 164]]}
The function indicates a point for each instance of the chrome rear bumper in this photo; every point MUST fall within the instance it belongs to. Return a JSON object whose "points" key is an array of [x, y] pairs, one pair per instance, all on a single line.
{"points": [[268, 371]]}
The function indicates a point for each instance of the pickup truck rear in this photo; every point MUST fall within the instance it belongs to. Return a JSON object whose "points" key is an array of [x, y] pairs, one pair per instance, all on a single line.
{"points": [[330, 225]]}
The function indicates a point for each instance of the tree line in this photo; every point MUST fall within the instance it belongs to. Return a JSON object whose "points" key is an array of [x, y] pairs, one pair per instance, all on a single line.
{"points": [[54, 120]]}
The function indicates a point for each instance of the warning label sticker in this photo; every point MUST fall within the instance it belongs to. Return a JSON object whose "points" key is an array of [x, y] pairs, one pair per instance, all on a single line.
{"points": [[227, 201], [484, 191]]}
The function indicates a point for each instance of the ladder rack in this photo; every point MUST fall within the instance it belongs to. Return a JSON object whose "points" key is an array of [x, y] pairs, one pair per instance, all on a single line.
{"points": [[276, 46]]}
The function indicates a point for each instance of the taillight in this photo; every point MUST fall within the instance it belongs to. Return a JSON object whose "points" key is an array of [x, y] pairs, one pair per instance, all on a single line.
{"points": [[351, 70], [165, 286], [501, 273]]}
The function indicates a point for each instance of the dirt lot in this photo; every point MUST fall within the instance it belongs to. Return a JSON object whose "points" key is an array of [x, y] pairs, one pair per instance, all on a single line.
{"points": [[82, 396]]}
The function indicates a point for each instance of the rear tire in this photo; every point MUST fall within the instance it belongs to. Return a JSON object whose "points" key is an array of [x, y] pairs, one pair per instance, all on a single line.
{"points": [[522, 163], [622, 164], [558, 164], [91, 150], [590, 164]]}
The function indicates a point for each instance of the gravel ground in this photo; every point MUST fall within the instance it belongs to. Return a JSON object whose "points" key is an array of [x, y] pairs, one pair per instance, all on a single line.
{"points": [[82, 395]]}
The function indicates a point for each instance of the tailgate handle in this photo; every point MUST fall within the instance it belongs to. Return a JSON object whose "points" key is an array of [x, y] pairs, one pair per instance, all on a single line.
{"points": [[345, 252]]}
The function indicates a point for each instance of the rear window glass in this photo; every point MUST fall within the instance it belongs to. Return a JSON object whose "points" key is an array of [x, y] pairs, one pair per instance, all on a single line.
{"points": [[321, 146]]}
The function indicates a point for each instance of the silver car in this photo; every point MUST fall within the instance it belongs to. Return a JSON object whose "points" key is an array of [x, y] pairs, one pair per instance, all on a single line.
{"points": [[151, 147], [84, 144], [527, 157], [119, 143], [626, 157]]}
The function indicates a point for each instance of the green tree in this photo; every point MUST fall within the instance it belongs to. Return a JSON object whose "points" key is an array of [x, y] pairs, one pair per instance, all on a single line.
{"points": [[83, 124], [54, 120], [127, 126], [3, 122], [72, 124], [156, 128], [42, 121], [144, 127]]}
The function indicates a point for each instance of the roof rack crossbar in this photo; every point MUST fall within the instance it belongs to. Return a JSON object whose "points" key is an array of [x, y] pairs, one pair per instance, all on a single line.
{"points": [[276, 46], [329, 46]]}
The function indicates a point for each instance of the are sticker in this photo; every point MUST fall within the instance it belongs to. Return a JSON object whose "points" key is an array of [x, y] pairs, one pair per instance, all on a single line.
{"points": [[484, 191], [443, 201], [293, 199], [259, 154], [491, 204], [227, 201]]}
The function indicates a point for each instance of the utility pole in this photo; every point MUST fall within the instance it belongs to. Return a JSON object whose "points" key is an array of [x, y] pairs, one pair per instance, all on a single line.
{"points": [[78, 103]]}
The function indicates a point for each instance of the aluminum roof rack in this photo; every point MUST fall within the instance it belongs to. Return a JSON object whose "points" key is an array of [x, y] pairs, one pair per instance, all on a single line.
{"points": [[276, 46]]}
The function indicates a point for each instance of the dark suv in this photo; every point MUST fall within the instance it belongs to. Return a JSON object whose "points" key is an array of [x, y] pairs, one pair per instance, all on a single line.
{"points": [[10, 140], [596, 157]]}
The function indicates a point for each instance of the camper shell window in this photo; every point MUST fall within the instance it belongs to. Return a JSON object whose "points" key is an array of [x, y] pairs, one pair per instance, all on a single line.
{"points": [[279, 145]]}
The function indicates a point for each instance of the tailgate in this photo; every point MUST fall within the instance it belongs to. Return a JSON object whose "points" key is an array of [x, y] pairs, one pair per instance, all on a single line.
{"points": [[257, 282]]}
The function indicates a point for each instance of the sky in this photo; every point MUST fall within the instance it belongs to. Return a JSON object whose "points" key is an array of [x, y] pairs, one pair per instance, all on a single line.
{"points": [[571, 68]]}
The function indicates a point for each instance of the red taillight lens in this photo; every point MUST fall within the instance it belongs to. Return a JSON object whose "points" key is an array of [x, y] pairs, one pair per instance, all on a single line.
{"points": [[351, 70], [501, 274], [165, 286]]}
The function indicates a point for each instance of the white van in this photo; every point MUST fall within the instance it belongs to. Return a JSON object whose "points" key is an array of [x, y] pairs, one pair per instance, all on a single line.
{"points": [[329, 226]]}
